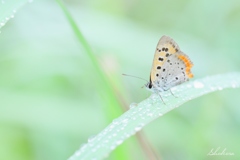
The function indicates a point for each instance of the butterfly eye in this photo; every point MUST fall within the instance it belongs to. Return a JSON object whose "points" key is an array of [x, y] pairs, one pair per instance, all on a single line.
{"points": [[150, 86]]}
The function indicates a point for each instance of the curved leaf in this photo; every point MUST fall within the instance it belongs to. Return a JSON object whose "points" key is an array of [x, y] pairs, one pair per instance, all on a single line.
{"points": [[146, 111], [8, 8]]}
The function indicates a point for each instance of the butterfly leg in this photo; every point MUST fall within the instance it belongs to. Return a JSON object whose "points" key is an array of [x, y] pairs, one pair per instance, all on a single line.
{"points": [[161, 98], [172, 93]]}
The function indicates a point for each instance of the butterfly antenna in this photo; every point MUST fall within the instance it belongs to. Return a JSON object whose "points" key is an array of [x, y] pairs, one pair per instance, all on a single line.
{"points": [[134, 77]]}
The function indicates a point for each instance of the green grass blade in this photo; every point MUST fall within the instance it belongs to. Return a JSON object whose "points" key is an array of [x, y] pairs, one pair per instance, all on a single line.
{"points": [[8, 8], [114, 112], [113, 108], [146, 111]]}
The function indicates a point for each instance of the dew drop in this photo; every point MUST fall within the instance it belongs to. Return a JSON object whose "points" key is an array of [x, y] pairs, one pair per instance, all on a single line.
{"points": [[111, 126], [150, 114], [133, 105], [78, 153], [235, 85], [115, 122], [119, 142], [83, 146], [90, 139], [197, 84], [139, 127], [212, 88], [112, 147], [122, 128], [106, 141], [125, 120]]}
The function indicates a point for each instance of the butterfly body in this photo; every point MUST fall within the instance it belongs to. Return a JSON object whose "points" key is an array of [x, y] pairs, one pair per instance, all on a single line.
{"points": [[170, 66]]}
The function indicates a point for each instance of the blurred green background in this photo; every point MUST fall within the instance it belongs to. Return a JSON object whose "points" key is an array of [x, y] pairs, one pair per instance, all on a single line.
{"points": [[50, 98]]}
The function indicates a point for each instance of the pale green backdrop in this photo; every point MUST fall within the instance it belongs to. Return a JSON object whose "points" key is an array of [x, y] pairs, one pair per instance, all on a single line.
{"points": [[50, 102]]}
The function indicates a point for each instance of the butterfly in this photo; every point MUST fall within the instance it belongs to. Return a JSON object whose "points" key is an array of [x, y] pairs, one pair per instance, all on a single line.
{"points": [[170, 66]]}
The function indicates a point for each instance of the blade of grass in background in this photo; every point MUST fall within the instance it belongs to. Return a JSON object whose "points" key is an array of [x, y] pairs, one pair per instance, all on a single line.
{"points": [[8, 8], [113, 107], [146, 111], [105, 83]]}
